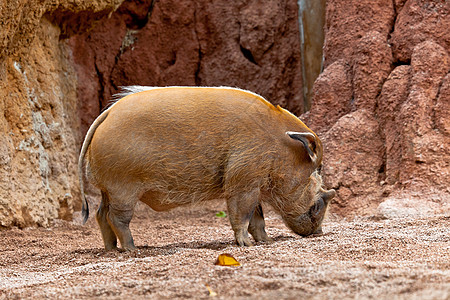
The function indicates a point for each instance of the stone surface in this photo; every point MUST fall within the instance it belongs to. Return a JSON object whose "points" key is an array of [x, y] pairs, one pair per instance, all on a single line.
{"points": [[394, 93], [332, 97], [260, 50], [39, 160], [21, 19], [39, 125], [417, 144], [371, 66], [348, 21], [419, 21], [351, 164], [424, 148]]}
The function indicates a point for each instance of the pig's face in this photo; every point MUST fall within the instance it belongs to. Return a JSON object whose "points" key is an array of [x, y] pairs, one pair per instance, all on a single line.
{"points": [[310, 221]]}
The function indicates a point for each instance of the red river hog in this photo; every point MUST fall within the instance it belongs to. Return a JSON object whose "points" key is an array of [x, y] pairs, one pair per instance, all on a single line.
{"points": [[173, 146]]}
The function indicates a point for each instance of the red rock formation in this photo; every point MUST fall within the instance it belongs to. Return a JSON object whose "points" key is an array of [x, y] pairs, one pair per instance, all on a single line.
{"points": [[372, 63], [332, 97], [348, 21], [418, 21], [353, 162], [393, 148]]}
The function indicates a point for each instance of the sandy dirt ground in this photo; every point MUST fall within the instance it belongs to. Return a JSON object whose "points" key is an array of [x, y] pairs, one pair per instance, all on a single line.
{"points": [[363, 258]]}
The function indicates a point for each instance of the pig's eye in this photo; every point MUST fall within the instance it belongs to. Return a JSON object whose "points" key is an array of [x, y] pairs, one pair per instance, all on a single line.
{"points": [[319, 169]]}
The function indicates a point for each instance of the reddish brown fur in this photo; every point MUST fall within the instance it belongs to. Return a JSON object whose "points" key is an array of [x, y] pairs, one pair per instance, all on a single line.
{"points": [[179, 145]]}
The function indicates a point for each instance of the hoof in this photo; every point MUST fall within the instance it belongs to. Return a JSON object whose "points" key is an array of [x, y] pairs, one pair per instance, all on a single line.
{"points": [[244, 242]]}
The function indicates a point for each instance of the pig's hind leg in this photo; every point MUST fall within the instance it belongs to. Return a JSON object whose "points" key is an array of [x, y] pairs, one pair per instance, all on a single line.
{"points": [[119, 216], [257, 226], [109, 237]]}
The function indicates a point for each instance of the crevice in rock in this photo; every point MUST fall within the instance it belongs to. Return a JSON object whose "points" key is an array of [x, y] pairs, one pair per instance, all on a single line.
{"points": [[382, 170], [248, 55], [172, 60], [133, 29], [140, 23], [128, 40], [198, 80], [398, 63], [268, 49], [101, 90], [392, 26], [381, 132], [245, 52]]}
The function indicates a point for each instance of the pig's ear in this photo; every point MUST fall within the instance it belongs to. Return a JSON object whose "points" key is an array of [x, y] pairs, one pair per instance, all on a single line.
{"points": [[308, 140]]}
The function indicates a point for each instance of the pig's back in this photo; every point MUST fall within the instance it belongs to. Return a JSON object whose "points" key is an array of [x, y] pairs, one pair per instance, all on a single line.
{"points": [[193, 107], [190, 117]]}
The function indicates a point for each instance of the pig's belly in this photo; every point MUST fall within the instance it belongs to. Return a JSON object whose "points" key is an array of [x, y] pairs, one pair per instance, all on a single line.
{"points": [[160, 201], [156, 201]]}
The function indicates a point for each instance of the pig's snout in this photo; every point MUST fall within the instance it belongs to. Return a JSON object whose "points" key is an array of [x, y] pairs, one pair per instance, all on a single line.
{"points": [[310, 222], [328, 195], [319, 207]]}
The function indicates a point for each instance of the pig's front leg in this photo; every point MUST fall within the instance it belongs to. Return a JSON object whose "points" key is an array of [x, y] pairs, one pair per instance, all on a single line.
{"points": [[240, 211], [257, 226]]}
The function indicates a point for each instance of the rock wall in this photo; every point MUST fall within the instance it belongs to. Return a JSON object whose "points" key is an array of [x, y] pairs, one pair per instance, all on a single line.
{"points": [[39, 124], [382, 106]]}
